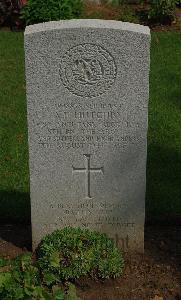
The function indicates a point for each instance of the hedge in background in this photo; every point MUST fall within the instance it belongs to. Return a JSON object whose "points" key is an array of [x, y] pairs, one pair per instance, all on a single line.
{"points": [[38, 11], [163, 11], [9, 13]]}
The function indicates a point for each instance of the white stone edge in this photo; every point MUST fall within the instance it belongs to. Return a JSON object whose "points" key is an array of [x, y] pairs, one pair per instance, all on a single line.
{"points": [[87, 23]]}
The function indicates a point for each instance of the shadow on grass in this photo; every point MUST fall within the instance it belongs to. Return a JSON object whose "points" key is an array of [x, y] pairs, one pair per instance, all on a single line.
{"points": [[16, 235], [163, 244], [15, 218], [15, 207], [163, 204]]}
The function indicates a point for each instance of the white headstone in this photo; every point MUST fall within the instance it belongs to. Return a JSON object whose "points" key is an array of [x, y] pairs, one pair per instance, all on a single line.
{"points": [[87, 93]]}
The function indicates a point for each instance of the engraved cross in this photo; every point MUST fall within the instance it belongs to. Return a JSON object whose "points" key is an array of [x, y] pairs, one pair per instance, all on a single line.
{"points": [[87, 171]]}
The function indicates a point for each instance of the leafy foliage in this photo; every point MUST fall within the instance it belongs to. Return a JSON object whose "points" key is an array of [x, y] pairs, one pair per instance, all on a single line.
{"points": [[3, 262], [50, 10], [22, 280], [128, 15], [72, 252], [64, 254], [9, 13], [162, 11]]}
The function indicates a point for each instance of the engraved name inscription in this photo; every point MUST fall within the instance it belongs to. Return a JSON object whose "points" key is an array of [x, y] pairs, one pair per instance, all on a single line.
{"points": [[92, 124]]}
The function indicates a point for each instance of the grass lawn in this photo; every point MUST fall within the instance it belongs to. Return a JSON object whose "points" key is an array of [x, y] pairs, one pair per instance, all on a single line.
{"points": [[14, 181], [164, 137]]}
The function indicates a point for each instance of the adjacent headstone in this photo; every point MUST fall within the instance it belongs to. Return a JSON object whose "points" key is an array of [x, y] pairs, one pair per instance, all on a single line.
{"points": [[87, 92]]}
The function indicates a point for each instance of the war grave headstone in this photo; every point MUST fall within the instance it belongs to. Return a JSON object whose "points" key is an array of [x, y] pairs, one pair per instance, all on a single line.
{"points": [[87, 99]]}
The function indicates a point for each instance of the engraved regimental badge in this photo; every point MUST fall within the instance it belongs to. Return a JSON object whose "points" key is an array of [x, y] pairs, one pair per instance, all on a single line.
{"points": [[87, 70]]}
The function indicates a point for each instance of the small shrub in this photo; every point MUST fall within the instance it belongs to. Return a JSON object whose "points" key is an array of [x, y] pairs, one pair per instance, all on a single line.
{"points": [[72, 252], [9, 13], [115, 2], [178, 3], [50, 10], [128, 15], [22, 280], [64, 254], [162, 11], [95, 15]]}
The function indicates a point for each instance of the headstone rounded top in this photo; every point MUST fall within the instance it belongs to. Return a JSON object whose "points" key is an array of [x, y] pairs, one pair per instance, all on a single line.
{"points": [[87, 23]]}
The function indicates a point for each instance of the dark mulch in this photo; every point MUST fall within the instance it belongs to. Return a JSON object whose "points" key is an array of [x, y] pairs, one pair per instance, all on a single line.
{"points": [[154, 275]]}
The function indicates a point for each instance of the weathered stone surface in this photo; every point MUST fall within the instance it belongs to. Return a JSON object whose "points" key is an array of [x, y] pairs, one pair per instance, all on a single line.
{"points": [[87, 93]]}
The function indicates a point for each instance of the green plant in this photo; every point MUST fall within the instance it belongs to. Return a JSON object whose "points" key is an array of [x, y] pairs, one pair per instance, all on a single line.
{"points": [[64, 254], [50, 10], [3, 262], [128, 15], [115, 2], [22, 280], [162, 11], [72, 252], [9, 13], [95, 15]]}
